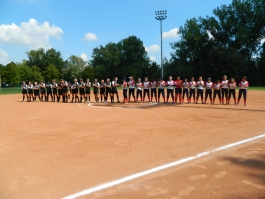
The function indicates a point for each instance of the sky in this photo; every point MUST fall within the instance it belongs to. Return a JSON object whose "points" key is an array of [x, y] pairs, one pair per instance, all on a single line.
{"points": [[76, 27]]}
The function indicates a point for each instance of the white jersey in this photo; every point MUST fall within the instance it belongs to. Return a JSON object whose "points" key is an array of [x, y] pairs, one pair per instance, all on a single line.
{"points": [[243, 84], [146, 85], [224, 83], [216, 86], [200, 84], [161, 85], [170, 84], [232, 85], [24, 86], [208, 85], [139, 85], [153, 84], [192, 84], [131, 84], [185, 85]]}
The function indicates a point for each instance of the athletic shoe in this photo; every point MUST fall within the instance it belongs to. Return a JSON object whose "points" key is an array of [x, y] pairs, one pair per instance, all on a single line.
{"points": [[237, 104], [245, 104]]}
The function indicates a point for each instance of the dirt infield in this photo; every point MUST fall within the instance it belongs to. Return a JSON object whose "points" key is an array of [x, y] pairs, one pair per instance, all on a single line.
{"points": [[53, 150]]}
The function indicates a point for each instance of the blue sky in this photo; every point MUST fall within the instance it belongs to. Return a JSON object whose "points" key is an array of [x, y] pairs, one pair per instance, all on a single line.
{"points": [[75, 27]]}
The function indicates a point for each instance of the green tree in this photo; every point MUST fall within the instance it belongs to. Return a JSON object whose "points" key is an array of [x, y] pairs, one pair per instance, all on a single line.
{"points": [[12, 74], [50, 73], [36, 74], [25, 72], [88, 72]]}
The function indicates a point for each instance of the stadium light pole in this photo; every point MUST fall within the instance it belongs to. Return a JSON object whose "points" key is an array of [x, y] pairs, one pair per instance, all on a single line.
{"points": [[161, 15]]}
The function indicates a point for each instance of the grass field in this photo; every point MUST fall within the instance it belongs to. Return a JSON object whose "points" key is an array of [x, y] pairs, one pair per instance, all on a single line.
{"points": [[17, 90]]}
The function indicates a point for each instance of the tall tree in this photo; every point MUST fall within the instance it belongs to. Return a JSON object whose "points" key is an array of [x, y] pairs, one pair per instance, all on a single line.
{"points": [[50, 73], [36, 74], [11, 74]]}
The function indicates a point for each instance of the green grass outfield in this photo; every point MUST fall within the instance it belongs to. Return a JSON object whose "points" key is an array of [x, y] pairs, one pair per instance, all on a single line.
{"points": [[17, 90]]}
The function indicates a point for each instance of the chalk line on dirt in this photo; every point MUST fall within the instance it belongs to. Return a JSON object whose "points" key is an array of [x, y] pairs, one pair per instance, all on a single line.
{"points": [[125, 106], [159, 168]]}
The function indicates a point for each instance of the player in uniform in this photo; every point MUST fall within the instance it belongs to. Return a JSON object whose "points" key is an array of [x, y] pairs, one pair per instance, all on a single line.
{"points": [[170, 89], [87, 89], [153, 85], [82, 90], [102, 90], [243, 85], [36, 91], [114, 89], [48, 88], [131, 88], [185, 87], [124, 88], [42, 91], [200, 89], [60, 90], [69, 91], [65, 91], [232, 90], [208, 90], [146, 86], [24, 91], [178, 90], [139, 91], [224, 87], [96, 86], [217, 90], [54, 90], [161, 89], [108, 90], [75, 86], [192, 90], [30, 92]]}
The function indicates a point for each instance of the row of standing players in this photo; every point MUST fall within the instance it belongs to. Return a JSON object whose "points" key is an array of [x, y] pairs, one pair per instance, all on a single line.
{"points": [[224, 89]]}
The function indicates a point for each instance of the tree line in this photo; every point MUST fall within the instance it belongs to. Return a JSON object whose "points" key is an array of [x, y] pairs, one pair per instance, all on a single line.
{"points": [[227, 43]]}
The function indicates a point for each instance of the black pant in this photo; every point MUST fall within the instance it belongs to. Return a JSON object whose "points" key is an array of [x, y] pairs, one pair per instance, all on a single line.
{"points": [[146, 91], [161, 91], [218, 93], [185, 92], [124, 93], [139, 92], [153, 92], [244, 92], [131, 92], [208, 92], [192, 93], [224, 92], [199, 93], [170, 92], [231, 92]]}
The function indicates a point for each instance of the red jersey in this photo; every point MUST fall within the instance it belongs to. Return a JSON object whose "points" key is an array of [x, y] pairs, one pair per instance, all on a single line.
{"points": [[124, 85], [178, 83]]}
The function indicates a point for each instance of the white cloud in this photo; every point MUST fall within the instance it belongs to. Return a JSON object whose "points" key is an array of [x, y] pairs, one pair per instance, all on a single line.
{"points": [[3, 57], [153, 48], [31, 33], [84, 56], [90, 37], [172, 34], [152, 58]]}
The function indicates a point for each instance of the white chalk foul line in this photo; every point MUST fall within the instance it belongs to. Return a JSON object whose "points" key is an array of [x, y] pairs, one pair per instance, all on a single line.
{"points": [[125, 106], [159, 168]]}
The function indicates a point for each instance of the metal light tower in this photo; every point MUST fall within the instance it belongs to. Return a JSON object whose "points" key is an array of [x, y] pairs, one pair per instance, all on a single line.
{"points": [[161, 15]]}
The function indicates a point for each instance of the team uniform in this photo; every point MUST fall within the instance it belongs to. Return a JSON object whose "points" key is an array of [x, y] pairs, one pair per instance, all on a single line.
{"points": [[208, 91], [108, 91], [114, 90], [30, 91], [102, 91], [48, 88], [243, 85], [74, 89], [200, 89], [139, 91], [161, 90], [192, 91], [170, 90], [96, 85], [24, 89], [185, 86], [60, 91], [65, 91], [146, 85], [232, 91], [82, 90], [216, 91], [54, 90], [36, 91], [153, 85], [87, 91], [124, 88], [131, 89], [178, 90], [224, 87]]}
